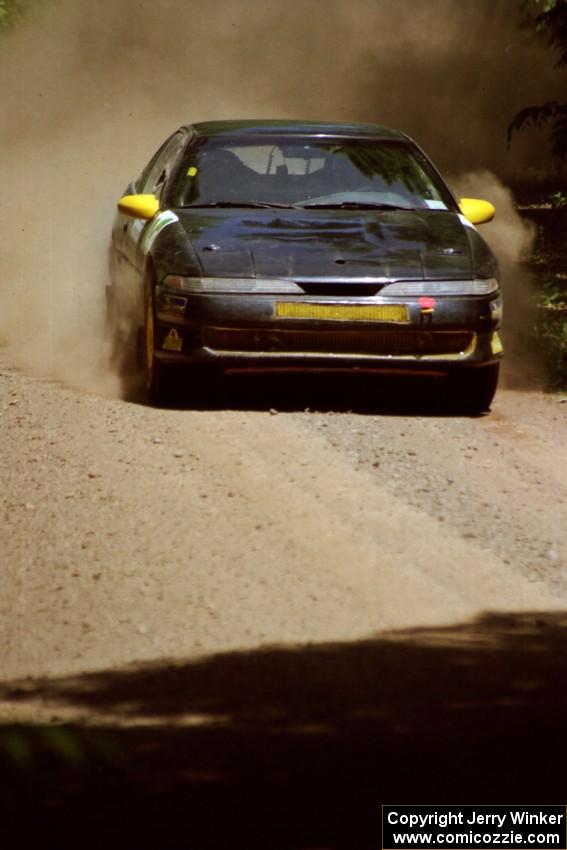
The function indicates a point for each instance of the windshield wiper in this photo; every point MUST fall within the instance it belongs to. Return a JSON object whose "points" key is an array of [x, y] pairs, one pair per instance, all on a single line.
{"points": [[355, 205], [236, 204]]}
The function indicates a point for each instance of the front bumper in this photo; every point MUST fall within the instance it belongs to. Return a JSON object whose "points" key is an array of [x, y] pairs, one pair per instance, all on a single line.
{"points": [[251, 331]]}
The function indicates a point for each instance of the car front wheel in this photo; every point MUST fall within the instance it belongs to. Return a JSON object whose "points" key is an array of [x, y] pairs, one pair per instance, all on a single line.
{"points": [[474, 389], [157, 377]]}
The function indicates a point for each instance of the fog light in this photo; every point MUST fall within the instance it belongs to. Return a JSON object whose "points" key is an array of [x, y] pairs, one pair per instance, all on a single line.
{"points": [[173, 303], [496, 309]]}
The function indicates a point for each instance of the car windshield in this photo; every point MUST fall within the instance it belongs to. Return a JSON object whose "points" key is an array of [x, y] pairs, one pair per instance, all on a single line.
{"points": [[307, 172]]}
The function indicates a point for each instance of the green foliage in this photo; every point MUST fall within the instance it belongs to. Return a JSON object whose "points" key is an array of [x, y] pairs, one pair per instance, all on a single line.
{"points": [[13, 12], [551, 17], [10, 12], [553, 296], [24, 747], [549, 331], [554, 19], [550, 337], [538, 116], [17, 747], [558, 200]]}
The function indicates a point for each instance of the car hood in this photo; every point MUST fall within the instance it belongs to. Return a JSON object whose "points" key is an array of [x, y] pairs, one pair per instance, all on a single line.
{"points": [[397, 244]]}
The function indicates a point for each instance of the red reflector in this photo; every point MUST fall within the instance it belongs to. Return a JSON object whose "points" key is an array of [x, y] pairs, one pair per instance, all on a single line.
{"points": [[427, 303]]}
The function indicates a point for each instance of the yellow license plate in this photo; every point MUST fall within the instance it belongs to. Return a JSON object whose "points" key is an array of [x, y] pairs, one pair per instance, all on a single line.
{"points": [[342, 312]]}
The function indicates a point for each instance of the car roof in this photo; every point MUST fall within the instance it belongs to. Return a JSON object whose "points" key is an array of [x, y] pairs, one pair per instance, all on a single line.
{"points": [[295, 128]]}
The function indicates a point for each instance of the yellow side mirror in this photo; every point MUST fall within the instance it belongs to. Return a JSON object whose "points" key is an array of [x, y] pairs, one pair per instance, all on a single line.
{"points": [[477, 212], [139, 206]]}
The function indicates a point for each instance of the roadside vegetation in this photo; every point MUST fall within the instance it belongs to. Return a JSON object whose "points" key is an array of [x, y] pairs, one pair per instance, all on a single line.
{"points": [[548, 264], [14, 11], [547, 205]]}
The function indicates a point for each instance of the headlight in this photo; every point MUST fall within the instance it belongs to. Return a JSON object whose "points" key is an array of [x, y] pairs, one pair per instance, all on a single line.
{"points": [[231, 284], [441, 287]]}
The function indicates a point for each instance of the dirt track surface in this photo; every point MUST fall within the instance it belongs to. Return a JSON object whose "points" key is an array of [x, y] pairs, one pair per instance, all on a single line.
{"points": [[247, 626], [137, 534]]}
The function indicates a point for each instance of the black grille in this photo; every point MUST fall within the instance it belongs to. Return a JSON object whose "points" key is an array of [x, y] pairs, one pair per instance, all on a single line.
{"points": [[336, 342], [340, 289]]}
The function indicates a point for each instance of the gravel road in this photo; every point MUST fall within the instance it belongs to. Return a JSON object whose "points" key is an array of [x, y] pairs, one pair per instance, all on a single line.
{"points": [[134, 534], [246, 625]]}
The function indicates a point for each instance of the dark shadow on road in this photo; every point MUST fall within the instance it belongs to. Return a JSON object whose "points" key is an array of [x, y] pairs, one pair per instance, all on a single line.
{"points": [[357, 392], [290, 748]]}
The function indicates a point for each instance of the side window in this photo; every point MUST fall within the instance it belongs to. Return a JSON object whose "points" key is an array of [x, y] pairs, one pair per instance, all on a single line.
{"points": [[157, 171], [143, 178]]}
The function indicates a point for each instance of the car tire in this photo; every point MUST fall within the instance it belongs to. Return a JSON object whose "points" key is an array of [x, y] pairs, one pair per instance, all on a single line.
{"points": [[157, 375], [475, 388]]}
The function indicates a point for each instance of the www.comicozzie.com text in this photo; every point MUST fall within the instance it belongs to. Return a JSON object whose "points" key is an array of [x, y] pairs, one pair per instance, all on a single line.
{"points": [[472, 838]]}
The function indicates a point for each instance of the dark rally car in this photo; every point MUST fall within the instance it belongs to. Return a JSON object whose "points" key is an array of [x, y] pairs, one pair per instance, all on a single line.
{"points": [[276, 244]]}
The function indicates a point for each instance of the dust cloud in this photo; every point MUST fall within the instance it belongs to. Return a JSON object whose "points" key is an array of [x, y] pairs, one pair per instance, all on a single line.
{"points": [[511, 237], [90, 90]]}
